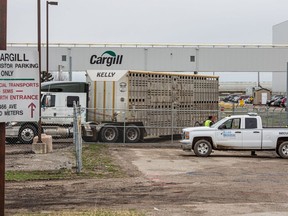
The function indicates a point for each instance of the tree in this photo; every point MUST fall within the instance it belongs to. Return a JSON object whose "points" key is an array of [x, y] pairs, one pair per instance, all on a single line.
{"points": [[46, 76]]}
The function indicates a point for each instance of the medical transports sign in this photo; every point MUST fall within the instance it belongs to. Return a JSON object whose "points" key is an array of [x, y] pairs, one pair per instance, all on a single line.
{"points": [[19, 86]]}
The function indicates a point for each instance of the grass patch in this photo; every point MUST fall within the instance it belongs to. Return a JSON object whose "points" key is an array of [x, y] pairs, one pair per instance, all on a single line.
{"points": [[96, 163], [99, 212], [38, 175]]}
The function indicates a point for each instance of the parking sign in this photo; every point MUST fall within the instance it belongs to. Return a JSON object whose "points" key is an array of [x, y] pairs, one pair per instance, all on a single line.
{"points": [[19, 86]]}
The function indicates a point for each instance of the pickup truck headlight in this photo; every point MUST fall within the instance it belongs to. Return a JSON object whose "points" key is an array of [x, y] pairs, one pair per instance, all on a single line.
{"points": [[186, 135]]}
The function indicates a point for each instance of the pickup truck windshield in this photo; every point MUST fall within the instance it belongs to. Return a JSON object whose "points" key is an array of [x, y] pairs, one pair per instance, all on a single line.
{"points": [[218, 123]]}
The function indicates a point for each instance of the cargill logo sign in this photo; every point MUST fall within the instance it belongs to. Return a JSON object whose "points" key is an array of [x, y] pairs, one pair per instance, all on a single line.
{"points": [[107, 58]]}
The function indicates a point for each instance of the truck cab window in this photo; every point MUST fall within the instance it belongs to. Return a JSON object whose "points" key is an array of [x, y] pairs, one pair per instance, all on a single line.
{"points": [[48, 101], [250, 123], [71, 99], [232, 124]]}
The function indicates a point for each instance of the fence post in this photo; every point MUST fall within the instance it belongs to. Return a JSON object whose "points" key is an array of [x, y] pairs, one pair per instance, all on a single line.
{"points": [[172, 124], [124, 124], [77, 139], [74, 122]]}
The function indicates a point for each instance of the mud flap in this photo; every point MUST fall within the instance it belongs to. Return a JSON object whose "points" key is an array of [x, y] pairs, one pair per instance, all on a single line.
{"points": [[89, 134]]}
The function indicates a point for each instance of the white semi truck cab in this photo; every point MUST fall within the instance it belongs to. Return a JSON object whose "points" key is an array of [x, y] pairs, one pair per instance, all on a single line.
{"points": [[57, 99], [237, 132]]}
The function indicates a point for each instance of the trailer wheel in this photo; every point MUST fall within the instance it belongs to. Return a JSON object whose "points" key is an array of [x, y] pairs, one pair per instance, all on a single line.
{"points": [[202, 148], [283, 150], [26, 134], [109, 133], [132, 134]]}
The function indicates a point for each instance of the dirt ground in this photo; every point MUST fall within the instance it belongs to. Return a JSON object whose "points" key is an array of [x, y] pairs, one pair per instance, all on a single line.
{"points": [[164, 180]]}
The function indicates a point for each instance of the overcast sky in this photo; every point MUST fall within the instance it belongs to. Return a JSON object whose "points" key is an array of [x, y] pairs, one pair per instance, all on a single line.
{"points": [[148, 21]]}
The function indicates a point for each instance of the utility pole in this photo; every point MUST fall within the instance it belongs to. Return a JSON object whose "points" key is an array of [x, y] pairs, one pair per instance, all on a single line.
{"points": [[47, 34], [3, 42], [39, 54]]}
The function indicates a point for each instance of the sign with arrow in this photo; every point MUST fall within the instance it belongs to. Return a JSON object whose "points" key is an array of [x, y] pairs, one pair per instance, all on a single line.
{"points": [[19, 85]]}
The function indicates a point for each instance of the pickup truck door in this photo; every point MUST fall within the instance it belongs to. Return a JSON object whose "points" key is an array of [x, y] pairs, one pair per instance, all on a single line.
{"points": [[229, 135], [252, 136]]}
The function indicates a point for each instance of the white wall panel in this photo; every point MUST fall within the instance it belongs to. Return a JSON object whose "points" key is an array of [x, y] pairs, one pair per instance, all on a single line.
{"points": [[279, 82], [280, 33], [178, 59], [207, 58], [170, 59], [243, 59], [280, 36], [132, 58]]}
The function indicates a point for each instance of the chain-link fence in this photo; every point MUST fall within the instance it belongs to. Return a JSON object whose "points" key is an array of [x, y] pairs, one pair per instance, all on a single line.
{"points": [[133, 125], [60, 127], [117, 126], [153, 122], [271, 116], [64, 152]]}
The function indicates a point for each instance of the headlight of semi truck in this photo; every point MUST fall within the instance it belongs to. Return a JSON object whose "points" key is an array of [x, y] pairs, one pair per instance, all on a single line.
{"points": [[11, 124]]}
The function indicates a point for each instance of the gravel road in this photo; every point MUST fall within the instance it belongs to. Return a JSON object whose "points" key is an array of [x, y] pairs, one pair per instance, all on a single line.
{"points": [[164, 180]]}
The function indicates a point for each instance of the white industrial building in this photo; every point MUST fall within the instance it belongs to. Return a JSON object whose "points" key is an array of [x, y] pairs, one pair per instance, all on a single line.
{"points": [[280, 36], [174, 57]]}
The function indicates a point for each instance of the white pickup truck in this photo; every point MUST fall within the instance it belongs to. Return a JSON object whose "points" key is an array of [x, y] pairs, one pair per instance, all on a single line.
{"points": [[238, 132]]}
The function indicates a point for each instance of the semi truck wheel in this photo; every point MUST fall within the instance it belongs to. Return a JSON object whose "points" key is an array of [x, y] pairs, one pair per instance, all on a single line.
{"points": [[26, 134], [202, 148], [109, 133], [283, 150], [88, 139], [132, 134]]}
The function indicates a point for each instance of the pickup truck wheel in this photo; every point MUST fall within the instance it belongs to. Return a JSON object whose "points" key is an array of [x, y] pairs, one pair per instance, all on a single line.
{"points": [[202, 148], [283, 150], [132, 134], [26, 134], [109, 133]]}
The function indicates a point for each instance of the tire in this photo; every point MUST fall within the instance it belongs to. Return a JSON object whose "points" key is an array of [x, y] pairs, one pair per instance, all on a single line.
{"points": [[277, 152], [109, 133], [283, 150], [88, 139], [132, 134], [93, 138], [26, 134], [202, 148]]}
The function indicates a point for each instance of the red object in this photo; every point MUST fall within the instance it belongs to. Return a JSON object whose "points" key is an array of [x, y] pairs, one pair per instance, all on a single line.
{"points": [[3, 24], [283, 102]]}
